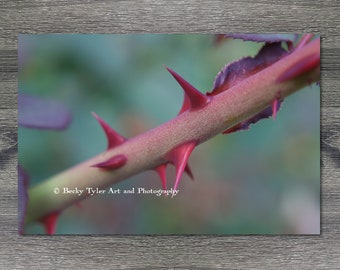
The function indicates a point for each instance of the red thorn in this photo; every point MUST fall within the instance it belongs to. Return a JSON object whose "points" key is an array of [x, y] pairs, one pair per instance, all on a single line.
{"points": [[306, 64], [276, 104], [196, 98], [304, 40], [113, 137], [179, 157], [161, 170], [50, 222], [112, 163], [186, 104], [274, 107]]}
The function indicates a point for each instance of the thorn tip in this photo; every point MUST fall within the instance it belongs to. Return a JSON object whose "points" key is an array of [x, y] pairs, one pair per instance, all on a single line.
{"points": [[113, 138], [194, 97], [50, 222], [161, 170], [274, 108], [179, 157]]}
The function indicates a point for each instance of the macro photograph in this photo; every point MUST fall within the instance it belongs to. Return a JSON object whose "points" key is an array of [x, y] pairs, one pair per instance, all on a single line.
{"points": [[168, 134]]}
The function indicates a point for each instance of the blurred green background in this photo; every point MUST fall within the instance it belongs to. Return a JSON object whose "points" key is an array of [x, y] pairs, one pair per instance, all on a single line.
{"points": [[262, 181]]}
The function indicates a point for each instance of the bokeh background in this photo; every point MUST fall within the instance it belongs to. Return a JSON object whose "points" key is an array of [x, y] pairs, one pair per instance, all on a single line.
{"points": [[262, 181]]}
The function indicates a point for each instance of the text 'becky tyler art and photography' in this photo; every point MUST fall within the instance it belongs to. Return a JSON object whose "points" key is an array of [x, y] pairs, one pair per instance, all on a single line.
{"points": [[93, 191]]}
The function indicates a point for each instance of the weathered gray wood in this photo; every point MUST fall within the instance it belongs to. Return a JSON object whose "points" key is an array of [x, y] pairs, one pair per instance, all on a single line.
{"points": [[171, 252]]}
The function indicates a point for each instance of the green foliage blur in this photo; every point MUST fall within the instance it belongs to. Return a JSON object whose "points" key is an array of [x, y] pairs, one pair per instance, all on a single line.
{"points": [[262, 181]]}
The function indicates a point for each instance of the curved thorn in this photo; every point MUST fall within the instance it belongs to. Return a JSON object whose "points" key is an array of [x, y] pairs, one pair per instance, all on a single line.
{"points": [[50, 222], [179, 157], [186, 104], [113, 137], [306, 64], [276, 104], [275, 107], [161, 170], [112, 163], [196, 98]]}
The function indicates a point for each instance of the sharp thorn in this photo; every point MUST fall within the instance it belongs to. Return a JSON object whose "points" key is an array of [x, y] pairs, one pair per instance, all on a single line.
{"points": [[161, 170], [113, 138], [186, 104], [196, 98], [179, 157], [112, 163], [50, 222], [275, 108]]}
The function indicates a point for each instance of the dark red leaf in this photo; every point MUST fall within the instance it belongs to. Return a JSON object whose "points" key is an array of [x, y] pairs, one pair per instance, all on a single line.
{"points": [[241, 69], [266, 113], [268, 38]]}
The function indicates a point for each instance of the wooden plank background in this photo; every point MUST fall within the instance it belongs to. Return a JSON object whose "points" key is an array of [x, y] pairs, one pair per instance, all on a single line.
{"points": [[171, 252]]}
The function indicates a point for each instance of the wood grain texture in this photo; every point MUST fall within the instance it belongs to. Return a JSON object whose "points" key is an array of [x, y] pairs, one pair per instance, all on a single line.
{"points": [[171, 252]]}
